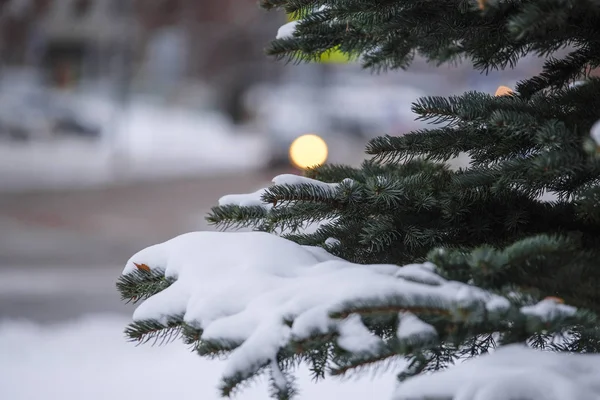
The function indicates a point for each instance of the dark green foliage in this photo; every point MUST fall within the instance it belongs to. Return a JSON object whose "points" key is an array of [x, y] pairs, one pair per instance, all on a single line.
{"points": [[522, 219], [141, 284], [152, 330], [490, 223], [390, 33]]}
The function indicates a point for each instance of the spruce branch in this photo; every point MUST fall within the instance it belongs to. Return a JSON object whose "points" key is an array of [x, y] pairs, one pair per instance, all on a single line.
{"points": [[234, 216], [153, 330], [141, 284], [286, 194], [232, 385]]}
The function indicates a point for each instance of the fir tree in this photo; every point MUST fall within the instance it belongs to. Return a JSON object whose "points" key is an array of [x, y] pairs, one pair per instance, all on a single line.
{"points": [[522, 220]]}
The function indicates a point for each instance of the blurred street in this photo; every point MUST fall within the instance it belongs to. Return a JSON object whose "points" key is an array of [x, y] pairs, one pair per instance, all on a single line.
{"points": [[61, 252]]}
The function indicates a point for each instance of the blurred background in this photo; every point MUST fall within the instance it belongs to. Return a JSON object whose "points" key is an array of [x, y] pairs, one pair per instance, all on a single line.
{"points": [[121, 123]]}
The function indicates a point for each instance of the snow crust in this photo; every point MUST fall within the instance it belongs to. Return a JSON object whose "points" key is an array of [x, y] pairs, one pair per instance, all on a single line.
{"points": [[241, 287], [511, 372]]}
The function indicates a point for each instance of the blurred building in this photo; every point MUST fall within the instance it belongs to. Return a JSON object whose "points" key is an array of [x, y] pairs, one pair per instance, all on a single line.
{"points": [[218, 42], [164, 47], [83, 39]]}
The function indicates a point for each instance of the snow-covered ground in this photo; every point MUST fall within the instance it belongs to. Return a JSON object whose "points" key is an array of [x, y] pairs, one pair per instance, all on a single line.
{"points": [[145, 141], [90, 359]]}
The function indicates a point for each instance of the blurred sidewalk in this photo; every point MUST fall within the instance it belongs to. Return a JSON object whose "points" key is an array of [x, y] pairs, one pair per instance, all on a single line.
{"points": [[69, 164], [107, 224], [61, 252]]}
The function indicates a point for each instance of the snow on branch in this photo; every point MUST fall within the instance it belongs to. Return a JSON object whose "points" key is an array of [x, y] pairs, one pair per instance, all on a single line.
{"points": [[263, 301], [266, 198], [287, 31], [282, 207]]}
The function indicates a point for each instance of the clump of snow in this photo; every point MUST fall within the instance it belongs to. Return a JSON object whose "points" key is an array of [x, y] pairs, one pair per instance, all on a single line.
{"points": [[355, 337], [423, 273], [245, 200], [595, 132], [258, 349], [511, 372], [291, 179], [332, 241], [549, 309], [576, 84], [466, 296], [498, 304], [242, 287], [315, 321], [287, 31], [279, 378], [411, 326], [254, 198]]}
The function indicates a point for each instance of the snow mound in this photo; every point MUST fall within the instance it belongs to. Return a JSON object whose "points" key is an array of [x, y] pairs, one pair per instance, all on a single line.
{"points": [[511, 372], [262, 292]]}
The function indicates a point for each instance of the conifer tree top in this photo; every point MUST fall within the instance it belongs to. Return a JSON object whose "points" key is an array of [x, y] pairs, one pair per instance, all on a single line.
{"points": [[390, 33]]}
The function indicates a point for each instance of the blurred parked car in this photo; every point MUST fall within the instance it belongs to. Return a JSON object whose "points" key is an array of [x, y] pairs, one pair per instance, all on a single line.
{"points": [[30, 114]]}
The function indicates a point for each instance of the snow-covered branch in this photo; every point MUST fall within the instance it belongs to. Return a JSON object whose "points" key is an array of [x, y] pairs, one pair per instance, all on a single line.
{"points": [[266, 302]]}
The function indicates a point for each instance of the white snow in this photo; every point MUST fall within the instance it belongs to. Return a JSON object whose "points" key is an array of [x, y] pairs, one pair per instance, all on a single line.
{"points": [[245, 199], [90, 359], [287, 31], [498, 304], [595, 132], [511, 372], [279, 378], [549, 309], [254, 198], [576, 83], [411, 326], [258, 349], [332, 241], [355, 337], [423, 273], [240, 287]]}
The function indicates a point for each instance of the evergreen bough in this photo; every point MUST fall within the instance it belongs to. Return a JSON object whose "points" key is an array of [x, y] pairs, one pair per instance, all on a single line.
{"points": [[521, 220]]}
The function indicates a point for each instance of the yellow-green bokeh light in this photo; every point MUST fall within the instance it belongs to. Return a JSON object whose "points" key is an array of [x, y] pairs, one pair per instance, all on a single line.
{"points": [[308, 151]]}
